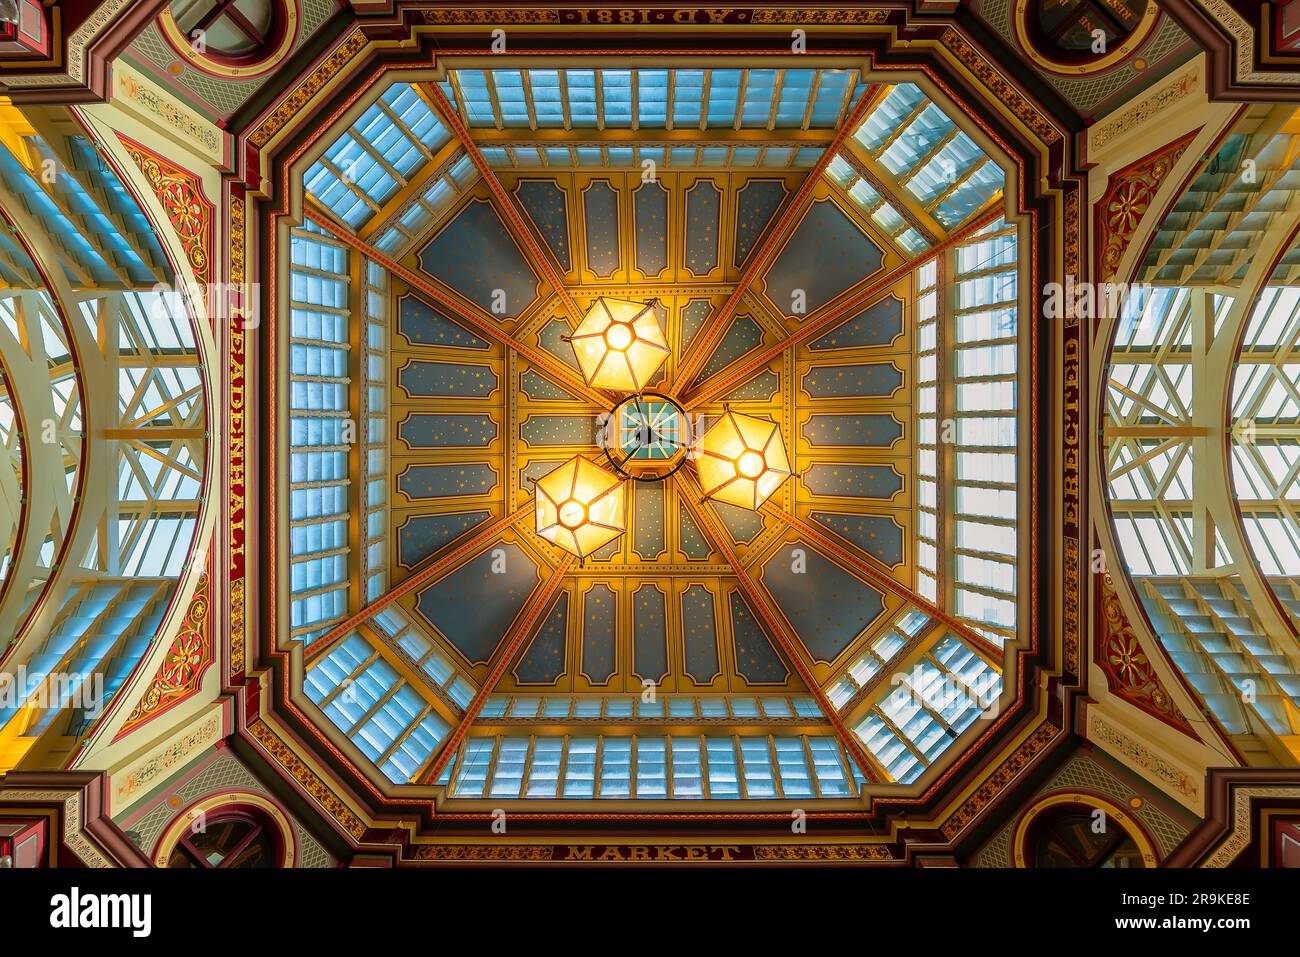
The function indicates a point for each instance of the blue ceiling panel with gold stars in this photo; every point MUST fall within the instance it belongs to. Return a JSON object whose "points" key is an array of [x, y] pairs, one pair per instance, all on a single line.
{"points": [[430, 430], [757, 202], [543, 661], [863, 431], [756, 659], [879, 536], [703, 224], [438, 481], [869, 380], [422, 535], [599, 639], [877, 325], [827, 606], [421, 378], [547, 206], [853, 481], [477, 257], [700, 634], [827, 254], [649, 624], [600, 208], [743, 336], [473, 606], [650, 201], [422, 325]]}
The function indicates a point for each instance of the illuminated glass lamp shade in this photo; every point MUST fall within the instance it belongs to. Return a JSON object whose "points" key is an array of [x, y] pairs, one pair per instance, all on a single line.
{"points": [[742, 460], [619, 345], [580, 506]]}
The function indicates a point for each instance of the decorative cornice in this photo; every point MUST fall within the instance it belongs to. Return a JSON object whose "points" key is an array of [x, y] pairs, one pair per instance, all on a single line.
{"points": [[1155, 103], [81, 68], [307, 779], [79, 799]]}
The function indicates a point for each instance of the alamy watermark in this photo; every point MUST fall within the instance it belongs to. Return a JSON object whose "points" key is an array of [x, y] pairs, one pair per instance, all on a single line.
{"points": [[55, 690], [224, 301], [1092, 300]]}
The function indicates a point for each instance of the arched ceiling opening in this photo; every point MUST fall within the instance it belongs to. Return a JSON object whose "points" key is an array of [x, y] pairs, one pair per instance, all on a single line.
{"points": [[104, 417], [1200, 433]]}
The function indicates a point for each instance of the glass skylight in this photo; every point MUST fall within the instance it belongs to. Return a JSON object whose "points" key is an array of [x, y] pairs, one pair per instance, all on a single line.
{"points": [[390, 720], [81, 617], [909, 142], [319, 417], [639, 767], [910, 174], [704, 99], [375, 158]]}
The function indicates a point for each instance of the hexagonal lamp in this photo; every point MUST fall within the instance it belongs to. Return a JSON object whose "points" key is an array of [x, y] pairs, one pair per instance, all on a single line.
{"points": [[619, 345], [742, 460], [580, 506]]}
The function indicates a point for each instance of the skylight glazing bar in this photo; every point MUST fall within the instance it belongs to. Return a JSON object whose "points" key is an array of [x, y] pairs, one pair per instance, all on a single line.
{"points": [[813, 93], [930, 519], [641, 767], [493, 98], [983, 496], [318, 444]]}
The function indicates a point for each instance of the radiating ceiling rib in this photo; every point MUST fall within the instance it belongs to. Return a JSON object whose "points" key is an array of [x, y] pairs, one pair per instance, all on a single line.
{"points": [[762, 254], [692, 496], [507, 649], [720, 384], [539, 254]]}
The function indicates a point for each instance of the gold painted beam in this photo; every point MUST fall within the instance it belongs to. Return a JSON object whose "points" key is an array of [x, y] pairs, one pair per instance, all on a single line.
{"points": [[692, 496], [762, 255], [318, 646], [512, 642], [721, 384]]}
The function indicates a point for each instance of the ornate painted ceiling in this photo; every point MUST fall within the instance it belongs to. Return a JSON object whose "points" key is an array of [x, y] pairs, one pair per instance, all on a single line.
{"points": [[787, 226], [297, 308]]}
